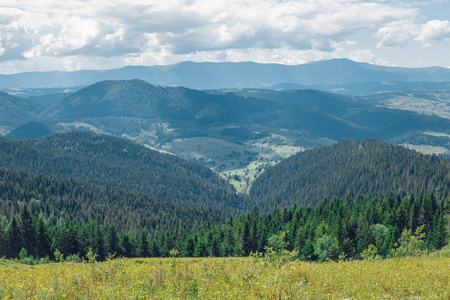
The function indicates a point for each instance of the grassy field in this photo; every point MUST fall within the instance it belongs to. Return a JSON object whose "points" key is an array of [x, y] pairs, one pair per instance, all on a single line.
{"points": [[227, 278]]}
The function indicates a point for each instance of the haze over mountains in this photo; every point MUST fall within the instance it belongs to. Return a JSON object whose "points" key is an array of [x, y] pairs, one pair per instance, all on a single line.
{"points": [[324, 75]]}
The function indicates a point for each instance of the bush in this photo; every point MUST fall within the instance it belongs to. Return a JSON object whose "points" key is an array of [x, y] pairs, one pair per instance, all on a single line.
{"points": [[276, 253], [74, 258], [370, 253], [326, 248], [410, 244], [444, 252]]}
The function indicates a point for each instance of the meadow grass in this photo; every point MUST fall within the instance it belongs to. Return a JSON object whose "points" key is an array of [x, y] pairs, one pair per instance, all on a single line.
{"points": [[227, 278]]}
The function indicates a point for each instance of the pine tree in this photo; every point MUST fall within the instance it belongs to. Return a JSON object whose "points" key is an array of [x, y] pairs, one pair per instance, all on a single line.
{"points": [[200, 248], [144, 249], [3, 242], [246, 238], [13, 238], [27, 231], [126, 243], [190, 247], [43, 241], [113, 241], [97, 239], [154, 249]]}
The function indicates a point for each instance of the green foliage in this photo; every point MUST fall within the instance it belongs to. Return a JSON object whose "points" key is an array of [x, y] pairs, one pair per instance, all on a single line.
{"points": [[379, 233], [326, 248], [444, 252], [23, 254], [278, 242], [333, 230], [68, 201], [276, 253], [59, 257], [91, 256], [74, 258], [370, 253], [410, 244]]}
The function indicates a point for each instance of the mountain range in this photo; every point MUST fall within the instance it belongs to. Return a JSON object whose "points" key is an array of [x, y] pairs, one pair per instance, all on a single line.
{"points": [[208, 75], [238, 132]]}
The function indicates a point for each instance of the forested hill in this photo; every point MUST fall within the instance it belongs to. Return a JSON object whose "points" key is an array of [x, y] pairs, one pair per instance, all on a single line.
{"points": [[106, 160], [15, 111], [140, 99], [66, 201], [370, 168]]}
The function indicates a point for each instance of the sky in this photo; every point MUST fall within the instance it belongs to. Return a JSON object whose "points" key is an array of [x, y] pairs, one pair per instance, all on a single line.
{"points": [[69, 35]]}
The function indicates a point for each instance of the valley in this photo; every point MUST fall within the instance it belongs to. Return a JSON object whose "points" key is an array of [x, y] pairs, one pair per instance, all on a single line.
{"points": [[236, 132]]}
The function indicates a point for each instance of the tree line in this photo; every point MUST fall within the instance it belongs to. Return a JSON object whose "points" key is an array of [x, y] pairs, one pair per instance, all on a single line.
{"points": [[341, 228]]}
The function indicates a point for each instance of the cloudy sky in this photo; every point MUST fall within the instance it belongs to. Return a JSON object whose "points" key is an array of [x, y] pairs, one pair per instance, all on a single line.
{"points": [[42, 35]]}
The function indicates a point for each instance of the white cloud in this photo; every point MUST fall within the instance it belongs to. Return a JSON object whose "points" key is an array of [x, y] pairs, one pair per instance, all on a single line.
{"points": [[79, 34], [399, 34], [395, 34], [435, 30]]}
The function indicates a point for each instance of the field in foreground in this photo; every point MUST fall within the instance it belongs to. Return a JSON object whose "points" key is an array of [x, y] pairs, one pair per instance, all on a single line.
{"points": [[227, 278]]}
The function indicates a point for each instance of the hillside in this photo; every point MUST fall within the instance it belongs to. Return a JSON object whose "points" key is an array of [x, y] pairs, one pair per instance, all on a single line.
{"points": [[368, 88], [140, 99], [31, 130], [190, 122], [380, 116], [15, 111], [233, 75], [430, 103], [235, 132], [111, 161], [71, 202], [370, 168], [173, 118]]}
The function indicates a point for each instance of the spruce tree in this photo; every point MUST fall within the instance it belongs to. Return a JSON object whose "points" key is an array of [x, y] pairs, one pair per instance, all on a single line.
{"points": [[113, 241], [144, 247], [126, 244], [27, 231], [43, 241], [13, 238]]}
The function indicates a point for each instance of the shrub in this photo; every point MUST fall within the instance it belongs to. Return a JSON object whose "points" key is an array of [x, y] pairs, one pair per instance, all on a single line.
{"points": [[370, 253], [327, 248], [410, 244], [276, 253]]}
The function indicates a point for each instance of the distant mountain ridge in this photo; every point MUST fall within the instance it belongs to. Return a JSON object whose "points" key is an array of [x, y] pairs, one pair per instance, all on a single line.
{"points": [[209, 75]]}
